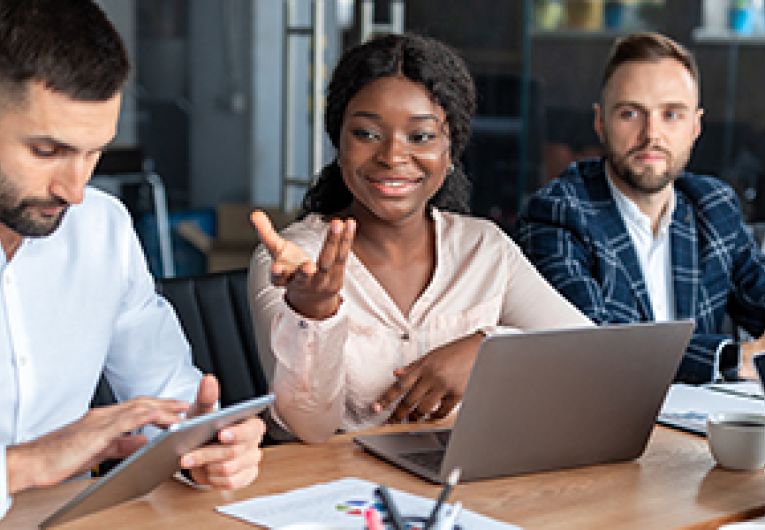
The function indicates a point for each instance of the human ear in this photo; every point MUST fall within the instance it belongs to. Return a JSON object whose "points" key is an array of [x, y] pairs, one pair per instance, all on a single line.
{"points": [[598, 120]]}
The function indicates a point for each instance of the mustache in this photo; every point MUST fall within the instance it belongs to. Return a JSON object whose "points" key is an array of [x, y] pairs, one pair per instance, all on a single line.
{"points": [[50, 202], [648, 147]]}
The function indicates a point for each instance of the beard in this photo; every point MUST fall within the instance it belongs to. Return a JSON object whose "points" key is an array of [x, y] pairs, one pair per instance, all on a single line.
{"points": [[19, 214], [646, 181]]}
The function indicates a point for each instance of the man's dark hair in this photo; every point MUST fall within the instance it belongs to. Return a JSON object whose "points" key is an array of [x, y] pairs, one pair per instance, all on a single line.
{"points": [[422, 60], [648, 47], [67, 45]]}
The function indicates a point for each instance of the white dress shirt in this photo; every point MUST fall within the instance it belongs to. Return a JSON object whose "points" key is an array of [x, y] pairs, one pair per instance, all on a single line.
{"points": [[654, 251], [329, 372], [73, 305]]}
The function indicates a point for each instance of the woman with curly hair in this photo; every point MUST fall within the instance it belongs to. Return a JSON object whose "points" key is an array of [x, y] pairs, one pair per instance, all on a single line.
{"points": [[373, 305]]}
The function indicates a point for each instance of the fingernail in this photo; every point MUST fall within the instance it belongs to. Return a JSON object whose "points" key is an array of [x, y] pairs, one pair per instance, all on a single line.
{"points": [[376, 408], [226, 436], [337, 228], [187, 461]]}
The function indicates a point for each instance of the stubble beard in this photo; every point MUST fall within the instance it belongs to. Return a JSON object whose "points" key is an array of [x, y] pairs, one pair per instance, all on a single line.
{"points": [[18, 214], [646, 182]]}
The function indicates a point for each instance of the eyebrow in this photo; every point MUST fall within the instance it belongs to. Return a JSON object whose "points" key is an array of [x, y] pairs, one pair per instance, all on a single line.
{"points": [[377, 117], [671, 104], [63, 146]]}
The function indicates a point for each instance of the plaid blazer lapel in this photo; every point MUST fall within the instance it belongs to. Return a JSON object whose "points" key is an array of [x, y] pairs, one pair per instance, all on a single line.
{"points": [[617, 239], [685, 258]]}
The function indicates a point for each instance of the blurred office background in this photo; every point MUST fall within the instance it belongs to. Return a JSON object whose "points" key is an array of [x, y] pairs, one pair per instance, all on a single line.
{"points": [[224, 106]]}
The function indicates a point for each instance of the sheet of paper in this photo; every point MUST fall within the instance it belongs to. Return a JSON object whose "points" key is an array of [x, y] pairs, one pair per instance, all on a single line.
{"points": [[688, 406], [742, 388], [341, 504]]}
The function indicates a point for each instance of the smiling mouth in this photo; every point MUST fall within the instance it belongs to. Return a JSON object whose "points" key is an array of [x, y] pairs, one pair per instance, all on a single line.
{"points": [[395, 187]]}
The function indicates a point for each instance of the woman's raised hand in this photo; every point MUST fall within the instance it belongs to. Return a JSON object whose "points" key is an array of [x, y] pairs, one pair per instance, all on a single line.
{"points": [[313, 288]]}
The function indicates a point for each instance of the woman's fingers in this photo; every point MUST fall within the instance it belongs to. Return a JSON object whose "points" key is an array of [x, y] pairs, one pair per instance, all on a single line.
{"points": [[268, 236], [288, 258]]}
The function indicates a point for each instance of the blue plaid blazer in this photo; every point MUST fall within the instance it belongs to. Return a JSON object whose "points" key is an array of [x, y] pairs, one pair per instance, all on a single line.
{"points": [[573, 233]]}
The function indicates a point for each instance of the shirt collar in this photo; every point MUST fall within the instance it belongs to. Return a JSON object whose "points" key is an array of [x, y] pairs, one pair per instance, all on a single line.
{"points": [[631, 213]]}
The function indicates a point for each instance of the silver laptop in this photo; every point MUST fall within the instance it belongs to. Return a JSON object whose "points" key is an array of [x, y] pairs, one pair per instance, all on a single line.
{"points": [[549, 400]]}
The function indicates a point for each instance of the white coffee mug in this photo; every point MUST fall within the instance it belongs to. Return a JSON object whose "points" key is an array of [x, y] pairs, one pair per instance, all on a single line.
{"points": [[737, 439]]}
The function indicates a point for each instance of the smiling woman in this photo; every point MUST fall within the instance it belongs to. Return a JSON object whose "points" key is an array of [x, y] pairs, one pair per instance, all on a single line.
{"points": [[374, 304]]}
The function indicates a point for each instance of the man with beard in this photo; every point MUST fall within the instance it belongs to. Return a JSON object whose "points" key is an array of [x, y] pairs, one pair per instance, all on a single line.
{"points": [[634, 237], [76, 297]]}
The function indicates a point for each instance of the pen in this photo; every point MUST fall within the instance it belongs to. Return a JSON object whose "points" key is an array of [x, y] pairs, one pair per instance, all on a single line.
{"points": [[373, 520], [450, 519], [387, 501], [451, 481]]}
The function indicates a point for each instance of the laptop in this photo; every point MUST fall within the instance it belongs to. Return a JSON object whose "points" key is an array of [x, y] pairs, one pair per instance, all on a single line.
{"points": [[549, 400]]}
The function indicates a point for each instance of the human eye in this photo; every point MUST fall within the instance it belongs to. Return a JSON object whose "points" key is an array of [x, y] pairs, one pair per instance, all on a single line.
{"points": [[673, 115], [44, 150], [422, 137], [365, 134], [628, 113]]}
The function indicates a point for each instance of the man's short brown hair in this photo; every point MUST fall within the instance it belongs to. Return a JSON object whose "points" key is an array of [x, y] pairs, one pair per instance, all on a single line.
{"points": [[68, 46], [648, 47]]}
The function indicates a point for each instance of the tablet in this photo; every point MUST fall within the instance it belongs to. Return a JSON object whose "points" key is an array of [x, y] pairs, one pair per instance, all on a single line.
{"points": [[155, 462]]}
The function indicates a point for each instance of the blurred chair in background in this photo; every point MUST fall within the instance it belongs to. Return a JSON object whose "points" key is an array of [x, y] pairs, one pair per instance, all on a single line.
{"points": [[122, 172]]}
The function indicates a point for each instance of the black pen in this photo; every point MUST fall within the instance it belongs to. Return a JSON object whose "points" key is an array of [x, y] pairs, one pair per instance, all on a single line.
{"points": [[451, 481], [387, 501]]}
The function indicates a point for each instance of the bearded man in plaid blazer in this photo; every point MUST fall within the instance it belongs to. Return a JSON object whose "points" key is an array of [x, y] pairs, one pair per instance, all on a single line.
{"points": [[633, 237]]}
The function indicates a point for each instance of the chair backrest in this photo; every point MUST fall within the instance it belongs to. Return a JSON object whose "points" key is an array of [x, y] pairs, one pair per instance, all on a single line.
{"points": [[214, 313], [215, 316]]}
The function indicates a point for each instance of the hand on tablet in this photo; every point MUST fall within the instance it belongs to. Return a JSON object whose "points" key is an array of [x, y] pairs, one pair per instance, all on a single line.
{"points": [[77, 447], [313, 289], [232, 462]]}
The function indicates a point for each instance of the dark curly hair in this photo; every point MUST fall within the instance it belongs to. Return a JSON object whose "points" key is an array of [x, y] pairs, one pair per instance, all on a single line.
{"points": [[422, 60]]}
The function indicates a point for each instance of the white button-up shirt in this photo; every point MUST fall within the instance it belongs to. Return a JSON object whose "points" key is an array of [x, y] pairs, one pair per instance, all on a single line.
{"points": [[73, 305], [653, 251]]}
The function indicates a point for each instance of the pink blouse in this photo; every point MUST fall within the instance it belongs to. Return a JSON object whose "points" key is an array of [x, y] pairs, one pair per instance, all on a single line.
{"points": [[326, 374]]}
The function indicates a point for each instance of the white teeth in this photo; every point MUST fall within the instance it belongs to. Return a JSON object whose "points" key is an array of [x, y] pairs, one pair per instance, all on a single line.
{"points": [[394, 183]]}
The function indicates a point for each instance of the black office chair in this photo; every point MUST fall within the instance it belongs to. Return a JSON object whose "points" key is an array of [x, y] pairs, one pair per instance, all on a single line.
{"points": [[215, 316]]}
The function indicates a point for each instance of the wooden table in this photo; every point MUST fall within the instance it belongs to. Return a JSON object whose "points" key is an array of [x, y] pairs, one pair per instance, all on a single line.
{"points": [[675, 484]]}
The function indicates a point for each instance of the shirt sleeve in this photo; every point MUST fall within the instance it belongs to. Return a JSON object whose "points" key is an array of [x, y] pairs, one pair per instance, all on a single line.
{"points": [[5, 499], [305, 357], [531, 302], [148, 353]]}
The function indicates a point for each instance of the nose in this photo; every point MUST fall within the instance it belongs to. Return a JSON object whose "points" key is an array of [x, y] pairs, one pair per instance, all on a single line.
{"points": [[393, 150], [71, 178], [651, 127]]}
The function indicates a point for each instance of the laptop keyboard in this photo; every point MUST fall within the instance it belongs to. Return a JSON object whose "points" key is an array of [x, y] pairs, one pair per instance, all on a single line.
{"points": [[443, 436], [430, 460]]}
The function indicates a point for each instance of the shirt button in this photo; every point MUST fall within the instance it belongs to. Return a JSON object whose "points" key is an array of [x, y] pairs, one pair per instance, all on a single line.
{"points": [[303, 324], [22, 360], [405, 336]]}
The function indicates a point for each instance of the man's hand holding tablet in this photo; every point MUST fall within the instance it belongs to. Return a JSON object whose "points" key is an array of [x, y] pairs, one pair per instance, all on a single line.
{"points": [[218, 459], [231, 462]]}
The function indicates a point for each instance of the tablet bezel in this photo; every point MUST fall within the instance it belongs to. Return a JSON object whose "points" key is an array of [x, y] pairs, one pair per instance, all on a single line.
{"points": [[155, 462]]}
